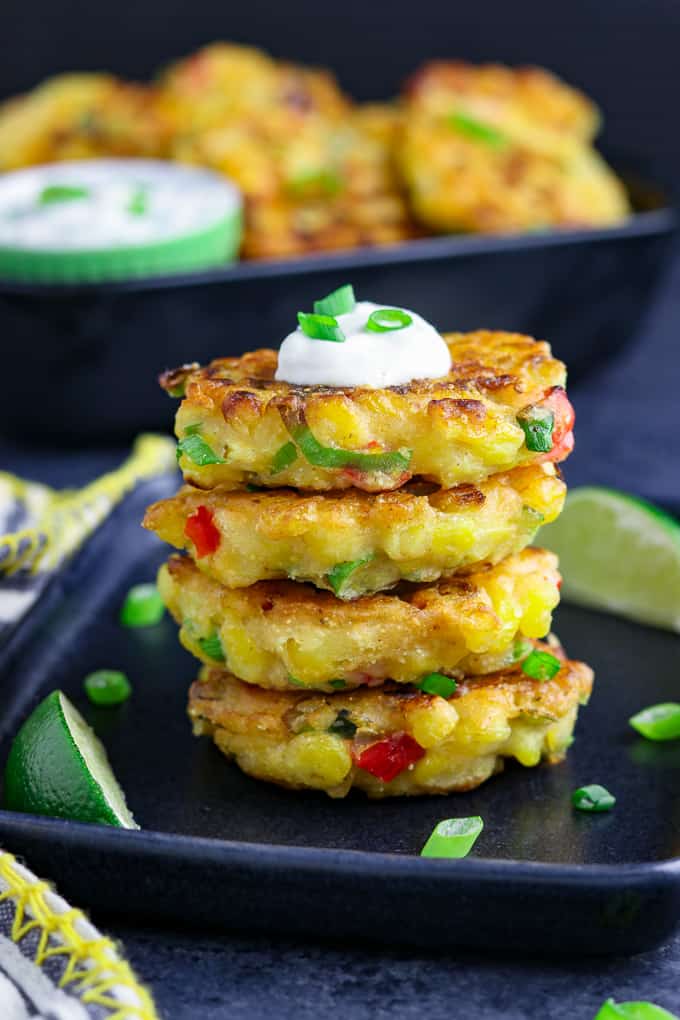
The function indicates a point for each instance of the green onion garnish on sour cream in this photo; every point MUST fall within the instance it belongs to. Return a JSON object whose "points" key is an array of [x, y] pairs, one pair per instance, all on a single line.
{"points": [[386, 320], [371, 347], [321, 327], [338, 302], [61, 193]]}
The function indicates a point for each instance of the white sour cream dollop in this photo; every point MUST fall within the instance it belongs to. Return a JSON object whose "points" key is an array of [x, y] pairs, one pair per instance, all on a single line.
{"points": [[365, 358]]}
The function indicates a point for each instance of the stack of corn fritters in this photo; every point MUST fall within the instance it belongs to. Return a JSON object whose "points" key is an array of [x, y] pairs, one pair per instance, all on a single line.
{"points": [[359, 583]]}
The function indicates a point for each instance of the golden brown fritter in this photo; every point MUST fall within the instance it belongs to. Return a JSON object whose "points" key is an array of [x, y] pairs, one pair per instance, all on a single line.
{"points": [[224, 79], [80, 116], [391, 741], [461, 428], [353, 543], [315, 174], [282, 634], [488, 149]]}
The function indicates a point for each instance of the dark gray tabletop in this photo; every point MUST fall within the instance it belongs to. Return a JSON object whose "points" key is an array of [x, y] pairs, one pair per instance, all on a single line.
{"points": [[628, 424], [195, 976]]}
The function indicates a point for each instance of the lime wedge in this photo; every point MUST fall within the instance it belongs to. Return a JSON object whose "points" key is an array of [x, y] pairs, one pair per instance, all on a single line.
{"points": [[619, 554], [58, 767]]}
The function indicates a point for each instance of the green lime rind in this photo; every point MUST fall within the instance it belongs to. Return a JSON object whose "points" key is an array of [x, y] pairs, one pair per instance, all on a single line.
{"points": [[58, 767], [611, 1010], [200, 250], [618, 554]]}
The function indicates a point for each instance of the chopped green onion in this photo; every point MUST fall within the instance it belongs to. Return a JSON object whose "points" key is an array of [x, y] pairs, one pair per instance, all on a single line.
{"points": [[453, 837], [476, 129], [386, 320], [593, 798], [342, 725], [324, 179], [315, 453], [193, 430], [532, 517], [537, 423], [107, 687], [437, 683], [611, 1010], [341, 572], [338, 685], [283, 458], [61, 193], [339, 302], [212, 647], [143, 606], [139, 202], [295, 682], [658, 722], [195, 449], [177, 391], [321, 327], [541, 665], [521, 648]]}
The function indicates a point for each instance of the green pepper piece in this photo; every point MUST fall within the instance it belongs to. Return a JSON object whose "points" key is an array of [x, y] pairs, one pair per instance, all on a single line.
{"points": [[341, 572], [438, 683], [212, 647], [391, 462], [195, 449], [283, 458], [537, 423], [541, 665]]}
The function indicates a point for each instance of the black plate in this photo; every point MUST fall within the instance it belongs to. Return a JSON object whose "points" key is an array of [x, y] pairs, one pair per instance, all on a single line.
{"points": [[220, 848], [584, 290]]}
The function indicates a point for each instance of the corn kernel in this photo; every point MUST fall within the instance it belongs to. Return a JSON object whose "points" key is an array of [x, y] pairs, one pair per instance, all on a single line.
{"points": [[318, 759]]}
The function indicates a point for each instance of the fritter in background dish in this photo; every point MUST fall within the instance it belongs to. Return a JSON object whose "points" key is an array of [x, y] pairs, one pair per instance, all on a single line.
{"points": [[315, 173], [391, 741], [282, 634], [237, 424], [81, 116], [489, 149], [353, 543]]}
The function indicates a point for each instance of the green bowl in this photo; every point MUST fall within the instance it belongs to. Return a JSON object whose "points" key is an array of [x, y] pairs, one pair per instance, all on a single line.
{"points": [[188, 219]]}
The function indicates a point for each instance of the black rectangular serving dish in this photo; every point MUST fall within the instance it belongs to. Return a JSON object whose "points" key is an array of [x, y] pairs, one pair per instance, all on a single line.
{"points": [[218, 848], [85, 359]]}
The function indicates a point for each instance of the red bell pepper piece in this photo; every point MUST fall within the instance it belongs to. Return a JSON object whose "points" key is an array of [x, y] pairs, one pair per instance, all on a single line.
{"points": [[558, 402], [387, 758], [201, 529]]}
